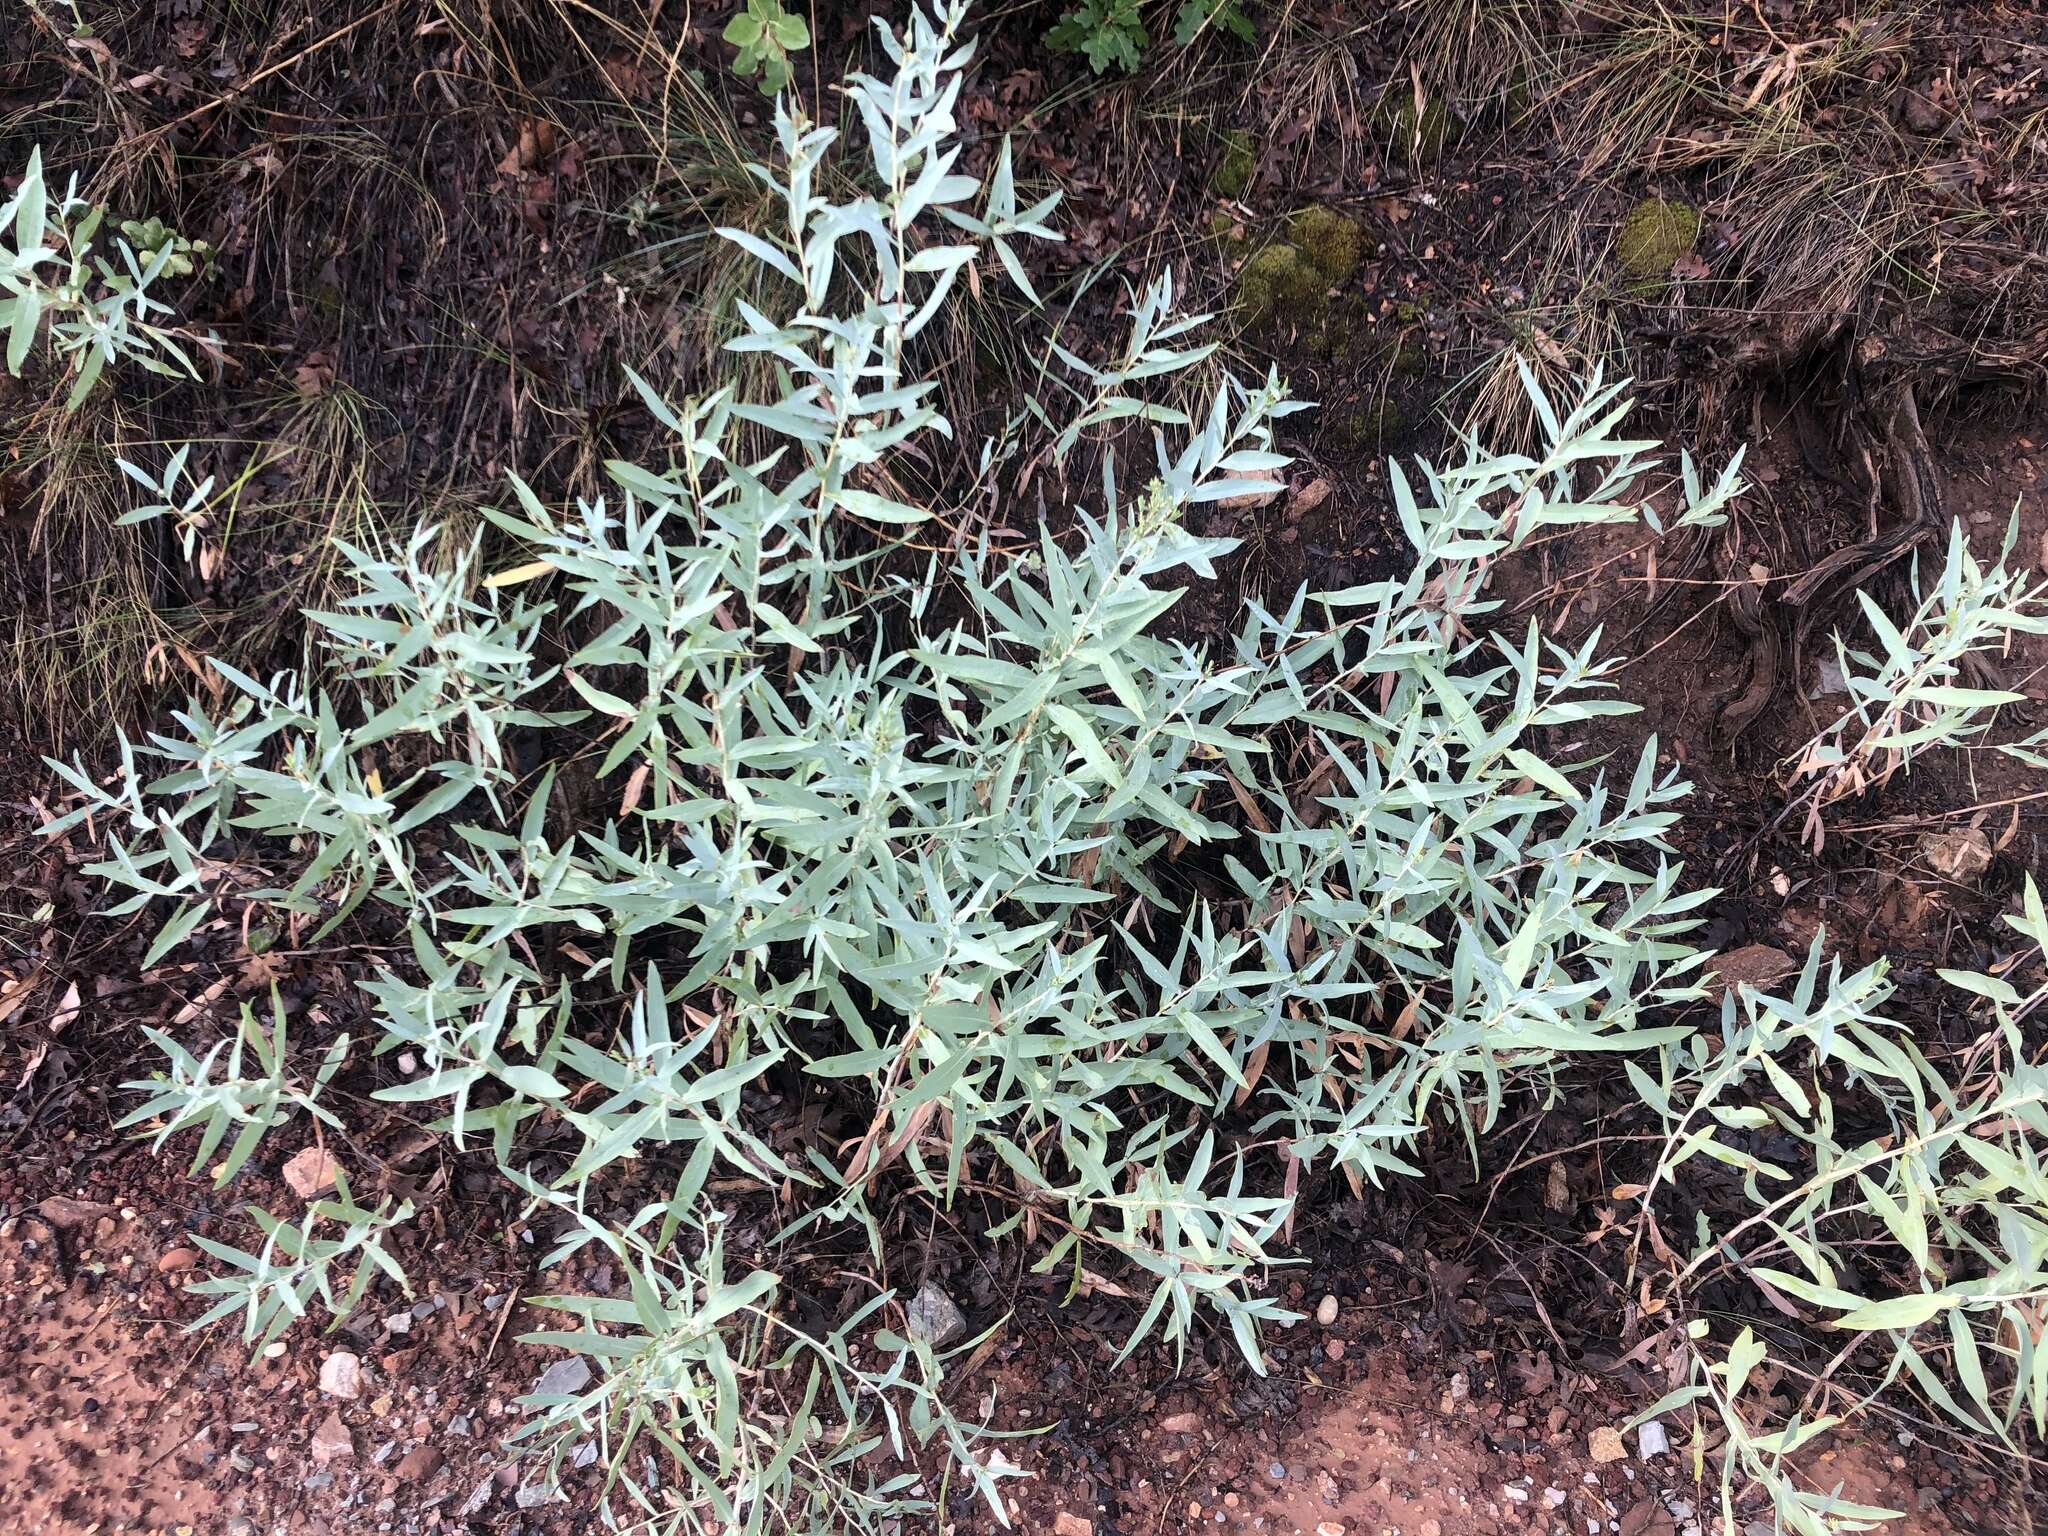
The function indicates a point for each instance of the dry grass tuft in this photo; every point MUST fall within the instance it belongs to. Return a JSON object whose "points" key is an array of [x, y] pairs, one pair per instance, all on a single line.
{"points": [[95, 619]]}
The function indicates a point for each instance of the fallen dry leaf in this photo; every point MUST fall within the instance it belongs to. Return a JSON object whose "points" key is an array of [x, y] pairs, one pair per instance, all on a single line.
{"points": [[29, 1067], [311, 377], [14, 991], [1753, 965], [259, 973], [1557, 1188], [537, 140], [1310, 496], [194, 1006], [66, 1009], [1961, 855]]}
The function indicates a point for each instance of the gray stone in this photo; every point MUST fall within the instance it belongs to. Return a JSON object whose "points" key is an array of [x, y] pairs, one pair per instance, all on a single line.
{"points": [[480, 1496], [565, 1378], [932, 1318]]}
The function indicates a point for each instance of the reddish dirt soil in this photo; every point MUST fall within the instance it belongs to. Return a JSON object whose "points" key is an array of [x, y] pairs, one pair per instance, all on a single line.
{"points": [[112, 1420]]}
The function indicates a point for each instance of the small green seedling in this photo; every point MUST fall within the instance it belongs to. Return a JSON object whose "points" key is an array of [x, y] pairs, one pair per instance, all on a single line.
{"points": [[191, 1097], [766, 35]]}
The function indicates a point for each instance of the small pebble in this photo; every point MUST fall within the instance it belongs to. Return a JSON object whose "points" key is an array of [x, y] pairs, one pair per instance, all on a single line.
{"points": [[332, 1441], [311, 1172], [341, 1374]]}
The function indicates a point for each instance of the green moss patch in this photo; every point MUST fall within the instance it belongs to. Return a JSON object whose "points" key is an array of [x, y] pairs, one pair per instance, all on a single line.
{"points": [[1234, 170], [1328, 240], [1289, 280], [1280, 282], [1367, 426], [1653, 236]]}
